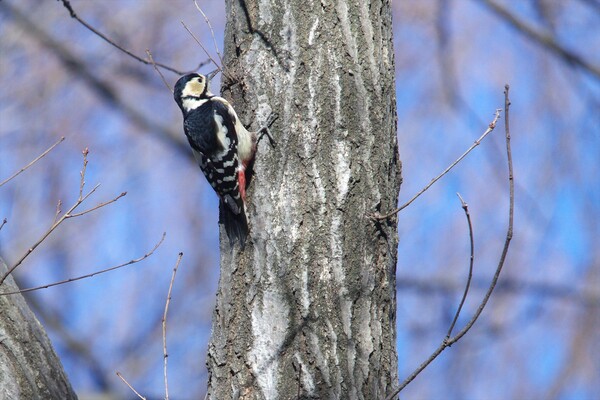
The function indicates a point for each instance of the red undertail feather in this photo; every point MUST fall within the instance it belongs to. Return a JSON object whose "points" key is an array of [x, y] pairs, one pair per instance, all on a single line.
{"points": [[242, 183]]}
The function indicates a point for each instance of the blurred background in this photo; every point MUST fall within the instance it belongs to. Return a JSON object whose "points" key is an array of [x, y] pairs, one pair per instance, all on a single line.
{"points": [[539, 337]]}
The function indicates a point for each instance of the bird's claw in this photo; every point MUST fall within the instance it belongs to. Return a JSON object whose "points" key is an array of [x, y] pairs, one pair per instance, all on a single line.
{"points": [[265, 129]]}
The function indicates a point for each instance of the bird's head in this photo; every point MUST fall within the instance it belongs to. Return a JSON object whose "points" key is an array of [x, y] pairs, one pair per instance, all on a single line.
{"points": [[191, 86]]}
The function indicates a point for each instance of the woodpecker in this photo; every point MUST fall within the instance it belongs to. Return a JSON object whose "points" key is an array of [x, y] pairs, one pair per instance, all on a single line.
{"points": [[222, 146]]}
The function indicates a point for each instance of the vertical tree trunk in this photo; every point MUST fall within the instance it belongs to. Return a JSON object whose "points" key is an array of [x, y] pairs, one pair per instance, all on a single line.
{"points": [[307, 310], [29, 367]]}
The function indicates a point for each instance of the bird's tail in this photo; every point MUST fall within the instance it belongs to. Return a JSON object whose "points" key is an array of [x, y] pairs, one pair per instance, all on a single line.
{"points": [[235, 222]]}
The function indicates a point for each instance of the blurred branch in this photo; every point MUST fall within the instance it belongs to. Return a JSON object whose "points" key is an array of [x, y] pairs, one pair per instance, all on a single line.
{"points": [[104, 91], [446, 65], [545, 40], [450, 84], [59, 141], [465, 207], [511, 286], [577, 348], [447, 342], [134, 261], [592, 3], [67, 5], [164, 325], [4, 221], [491, 126], [69, 214]]}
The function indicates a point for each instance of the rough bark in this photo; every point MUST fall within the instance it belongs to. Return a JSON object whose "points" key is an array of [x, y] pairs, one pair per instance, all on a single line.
{"points": [[307, 310], [29, 367]]}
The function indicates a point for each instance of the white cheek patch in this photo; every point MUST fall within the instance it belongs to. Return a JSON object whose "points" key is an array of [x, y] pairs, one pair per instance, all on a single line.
{"points": [[193, 88]]}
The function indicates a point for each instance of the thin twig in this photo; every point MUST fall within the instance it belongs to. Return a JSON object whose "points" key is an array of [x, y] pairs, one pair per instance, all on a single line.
{"points": [[58, 211], [164, 325], [68, 6], [69, 214], [100, 205], [158, 70], [44, 236], [4, 221], [59, 141], [85, 153], [130, 387], [490, 128], [465, 207], [509, 233], [201, 45], [84, 198], [212, 32], [134, 261]]}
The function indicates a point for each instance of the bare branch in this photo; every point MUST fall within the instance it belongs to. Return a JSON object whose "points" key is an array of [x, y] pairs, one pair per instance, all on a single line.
{"points": [[134, 261], [491, 126], [105, 203], [85, 153], [449, 342], [68, 6], [69, 214], [58, 211], [543, 39], [212, 33], [164, 325], [4, 221], [84, 198], [201, 45], [509, 232], [59, 141], [32, 248], [130, 387], [472, 259], [158, 70], [221, 67]]}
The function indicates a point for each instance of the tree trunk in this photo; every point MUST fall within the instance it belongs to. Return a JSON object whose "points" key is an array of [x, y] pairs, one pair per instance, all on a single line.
{"points": [[29, 367], [307, 310]]}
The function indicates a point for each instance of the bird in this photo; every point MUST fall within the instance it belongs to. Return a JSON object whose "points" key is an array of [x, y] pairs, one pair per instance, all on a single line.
{"points": [[222, 146]]}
